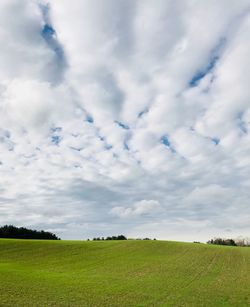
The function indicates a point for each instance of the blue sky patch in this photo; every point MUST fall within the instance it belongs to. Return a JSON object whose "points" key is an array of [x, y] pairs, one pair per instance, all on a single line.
{"points": [[214, 58], [143, 112], [76, 148], [56, 129], [48, 31], [165, 140], [202, 73], [108, 146], [89, 119], [125, 145], [241, 123], [122, 125], [215, 140], [56, 139]]}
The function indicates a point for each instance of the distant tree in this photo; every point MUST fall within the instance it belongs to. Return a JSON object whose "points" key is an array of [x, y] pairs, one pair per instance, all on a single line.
{"points": [[241, 241], [220, 241], [10, 231], [119, 237]]}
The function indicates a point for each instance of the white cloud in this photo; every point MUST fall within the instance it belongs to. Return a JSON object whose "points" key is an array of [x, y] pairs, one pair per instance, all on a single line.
{"points": [[141, 208], [104, 103]]}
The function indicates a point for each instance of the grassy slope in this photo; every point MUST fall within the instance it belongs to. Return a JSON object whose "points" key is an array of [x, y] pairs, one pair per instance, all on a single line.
{"points": [[122, 273]]}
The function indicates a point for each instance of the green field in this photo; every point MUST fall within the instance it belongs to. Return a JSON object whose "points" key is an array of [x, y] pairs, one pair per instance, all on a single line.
{"points": [[122, 273]]}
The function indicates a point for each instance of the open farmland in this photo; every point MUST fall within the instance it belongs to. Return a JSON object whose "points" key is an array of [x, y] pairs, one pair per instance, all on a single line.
{"points": [[122, 273]]}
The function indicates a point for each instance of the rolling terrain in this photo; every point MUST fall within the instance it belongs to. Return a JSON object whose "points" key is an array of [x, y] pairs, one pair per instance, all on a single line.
{"points": [[122, 273]]}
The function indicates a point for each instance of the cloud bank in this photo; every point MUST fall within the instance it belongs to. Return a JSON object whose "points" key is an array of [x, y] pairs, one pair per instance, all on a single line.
{"points": [[124, 116]]}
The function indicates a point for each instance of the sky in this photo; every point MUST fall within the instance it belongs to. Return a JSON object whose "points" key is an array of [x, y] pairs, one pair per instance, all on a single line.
{"points": [[125, 117]]}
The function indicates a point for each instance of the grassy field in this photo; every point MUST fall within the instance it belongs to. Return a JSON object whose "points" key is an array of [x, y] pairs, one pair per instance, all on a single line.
{"points": [[122, 273]]}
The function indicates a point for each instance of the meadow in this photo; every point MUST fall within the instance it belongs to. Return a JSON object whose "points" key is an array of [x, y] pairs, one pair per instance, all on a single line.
{"points": [[122, 273]]}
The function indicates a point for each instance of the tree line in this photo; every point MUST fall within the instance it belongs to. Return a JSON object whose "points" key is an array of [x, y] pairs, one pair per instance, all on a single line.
{"points": [[119, 237], [12, 232], [230, 242]]}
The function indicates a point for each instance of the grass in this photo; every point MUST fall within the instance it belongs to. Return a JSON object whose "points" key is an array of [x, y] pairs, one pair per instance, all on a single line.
{"points": [[122, 273]]}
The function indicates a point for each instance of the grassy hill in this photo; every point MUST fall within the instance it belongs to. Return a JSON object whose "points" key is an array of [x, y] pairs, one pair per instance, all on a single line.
{"points": [[122, 273]]}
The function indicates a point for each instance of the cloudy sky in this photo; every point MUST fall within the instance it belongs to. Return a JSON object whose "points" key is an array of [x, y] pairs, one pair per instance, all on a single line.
{"points": [[125, 116]]}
